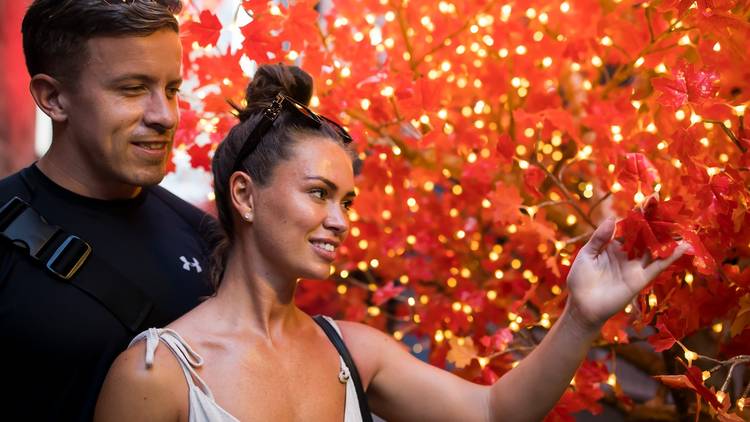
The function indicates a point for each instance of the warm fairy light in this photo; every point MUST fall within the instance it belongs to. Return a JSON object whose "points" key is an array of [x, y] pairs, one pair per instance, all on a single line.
{"points": [[275, 10], [547, 61], [521, 50], [373, 311], [491, 295], [597, 61], [565, 7], [515, 263], [721, 396], [705, 375], [457, 190], [362, 244], [439, 336], [639, 197], [739, 109], [456, 306], [505, 12], [717, 328], [499, 274], [741, 404], [451, 282], [411, 239], [717, 47], [344, 274], [606, 41], [387, 91], [685, 40], [612, 380], [575, 67], [639, 62], [629, 308], [571, 219], [690, 356], [398, 335], [543, 18], [688, 278], [662, 145], [341, 289], [713, 171], [523, 164], [661, 68], [556, 290], [679, 115], [652, 300]]}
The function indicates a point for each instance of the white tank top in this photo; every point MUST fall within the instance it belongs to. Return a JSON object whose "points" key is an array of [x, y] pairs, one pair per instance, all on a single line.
{"points": [[202, 406]]}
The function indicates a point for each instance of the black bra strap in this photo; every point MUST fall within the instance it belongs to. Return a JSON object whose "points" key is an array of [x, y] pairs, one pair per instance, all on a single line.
{"points": [[338, 342]]}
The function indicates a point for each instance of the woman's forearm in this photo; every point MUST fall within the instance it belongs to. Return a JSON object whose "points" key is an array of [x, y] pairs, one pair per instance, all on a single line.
{"points": [[529, 391]]}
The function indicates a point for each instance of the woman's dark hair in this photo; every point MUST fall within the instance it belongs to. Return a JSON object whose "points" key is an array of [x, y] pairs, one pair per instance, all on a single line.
{"points": [[274, 147], [55, 31]]}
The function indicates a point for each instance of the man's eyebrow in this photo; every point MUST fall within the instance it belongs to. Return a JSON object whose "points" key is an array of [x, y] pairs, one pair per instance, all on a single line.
{"points": [[330, 184], [142, 77]]}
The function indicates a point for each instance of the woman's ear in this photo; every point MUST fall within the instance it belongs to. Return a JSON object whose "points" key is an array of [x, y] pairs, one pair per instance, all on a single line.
{"points": [[241, 194], [47, 94]]}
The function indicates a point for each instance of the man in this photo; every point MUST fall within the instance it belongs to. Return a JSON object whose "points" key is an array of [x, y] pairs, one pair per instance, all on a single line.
{"points": [[116, 254]]}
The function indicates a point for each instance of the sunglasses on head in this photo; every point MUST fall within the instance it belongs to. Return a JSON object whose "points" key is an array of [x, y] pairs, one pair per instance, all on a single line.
{"points": [[272, 112]]}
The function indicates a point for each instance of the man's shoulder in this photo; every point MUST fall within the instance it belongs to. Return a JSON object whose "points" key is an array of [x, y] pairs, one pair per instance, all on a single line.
{"points": [[194, 216], [13, 185]]}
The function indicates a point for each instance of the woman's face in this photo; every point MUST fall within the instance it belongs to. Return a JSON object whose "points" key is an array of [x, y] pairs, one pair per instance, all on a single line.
{"points": [[300, 217]]}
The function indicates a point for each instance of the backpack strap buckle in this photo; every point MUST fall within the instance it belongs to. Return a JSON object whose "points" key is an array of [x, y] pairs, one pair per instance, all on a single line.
{"points": [[61, 253]]}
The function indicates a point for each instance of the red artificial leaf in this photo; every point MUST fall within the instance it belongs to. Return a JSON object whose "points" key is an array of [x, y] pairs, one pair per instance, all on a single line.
{"points": [[505, 148], [200, 156], [532, 181], [663, 339], [386, 293], [703, 261], [688, 85], [462, 351], [506, 204], [636, 173], [692, 379], [652, 228], [206, 31], [499, 341]]}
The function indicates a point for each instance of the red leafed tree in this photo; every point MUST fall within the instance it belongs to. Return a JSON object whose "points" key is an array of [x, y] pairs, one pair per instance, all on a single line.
{"points": [[493, 138]]}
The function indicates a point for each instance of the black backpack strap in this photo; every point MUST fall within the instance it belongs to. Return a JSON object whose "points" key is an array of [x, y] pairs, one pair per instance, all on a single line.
{"points": [[338, 342], [67, 256]]}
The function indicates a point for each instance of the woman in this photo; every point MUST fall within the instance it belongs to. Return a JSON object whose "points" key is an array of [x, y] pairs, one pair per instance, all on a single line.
{"points": [[284, 182]]}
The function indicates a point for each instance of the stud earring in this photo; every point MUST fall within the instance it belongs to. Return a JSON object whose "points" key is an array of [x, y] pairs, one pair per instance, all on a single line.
{"points": [[247, 216]]}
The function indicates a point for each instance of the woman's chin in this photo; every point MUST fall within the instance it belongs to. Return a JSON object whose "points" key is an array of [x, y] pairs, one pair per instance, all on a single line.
{"points": [[316, 273]]}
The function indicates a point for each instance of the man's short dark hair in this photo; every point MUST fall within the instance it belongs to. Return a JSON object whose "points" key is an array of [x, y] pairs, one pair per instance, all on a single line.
{"points": [[55, 31]]}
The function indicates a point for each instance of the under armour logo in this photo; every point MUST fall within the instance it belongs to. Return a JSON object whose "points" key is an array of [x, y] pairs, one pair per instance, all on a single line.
{"points": [[187, 264]]}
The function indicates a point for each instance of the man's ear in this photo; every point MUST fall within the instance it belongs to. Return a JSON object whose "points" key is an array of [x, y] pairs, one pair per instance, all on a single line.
{"points": [[241, 191], [47, 94]]}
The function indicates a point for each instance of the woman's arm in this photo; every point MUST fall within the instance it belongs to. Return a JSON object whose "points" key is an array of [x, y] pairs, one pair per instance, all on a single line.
{"points": [[601, 281], [131, 392]]}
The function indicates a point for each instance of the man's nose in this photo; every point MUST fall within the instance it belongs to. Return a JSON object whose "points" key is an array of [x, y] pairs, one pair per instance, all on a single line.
{"points": [[161, 114]]}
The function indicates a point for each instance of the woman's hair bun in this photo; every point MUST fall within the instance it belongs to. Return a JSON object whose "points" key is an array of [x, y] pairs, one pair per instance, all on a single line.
{"points": [[269, 80]]}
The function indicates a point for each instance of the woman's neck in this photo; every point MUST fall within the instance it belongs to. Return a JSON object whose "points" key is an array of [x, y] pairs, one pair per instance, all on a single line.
{"points": [[254, 298]]}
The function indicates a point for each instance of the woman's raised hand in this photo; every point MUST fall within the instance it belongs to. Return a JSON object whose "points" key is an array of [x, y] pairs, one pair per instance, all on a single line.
{"points": [[603, 280]]}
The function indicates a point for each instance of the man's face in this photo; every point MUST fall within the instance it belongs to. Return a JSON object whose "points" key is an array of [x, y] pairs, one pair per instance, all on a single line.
{"points": [[122, 111]]}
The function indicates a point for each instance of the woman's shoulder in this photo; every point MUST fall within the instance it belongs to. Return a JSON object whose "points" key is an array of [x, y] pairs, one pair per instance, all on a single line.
{"points": [[158, 389]]}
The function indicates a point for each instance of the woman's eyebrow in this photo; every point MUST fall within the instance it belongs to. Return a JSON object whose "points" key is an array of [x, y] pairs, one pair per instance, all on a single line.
{"points": [[330, 184]]}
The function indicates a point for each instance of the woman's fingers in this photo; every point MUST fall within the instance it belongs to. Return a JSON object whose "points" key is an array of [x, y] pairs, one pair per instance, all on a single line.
{"points": [[601, 237], [659, 265]]}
